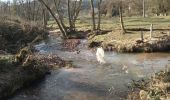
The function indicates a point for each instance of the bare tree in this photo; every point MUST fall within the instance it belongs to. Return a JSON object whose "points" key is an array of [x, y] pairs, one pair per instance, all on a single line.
{"points": [[121, 18], [144, 8], [58, 21], [44, 18], [99, 14], [93, 15], [74, 8], [69, 14], [94, 27]]}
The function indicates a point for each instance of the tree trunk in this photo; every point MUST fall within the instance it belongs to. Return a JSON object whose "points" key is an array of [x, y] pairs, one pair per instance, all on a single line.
{"points": [[69, 16], [63, 31], [76, 13], [121, 19], [44, 19], [93, 15], [78, 10], [144, 8], [33, 13], [60, 17], [36, 13], [99, 15]]}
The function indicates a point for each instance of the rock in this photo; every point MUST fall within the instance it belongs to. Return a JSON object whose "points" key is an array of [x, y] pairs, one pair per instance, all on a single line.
{"points": [[94, 44], [3, 52], [139, 41], [71, 44], [143, 95], [48, 72], [68, 64], [162, 33]]}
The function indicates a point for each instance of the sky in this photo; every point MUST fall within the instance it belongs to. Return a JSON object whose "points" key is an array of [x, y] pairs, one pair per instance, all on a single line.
{"points": [[12, 0], [6, 0]]}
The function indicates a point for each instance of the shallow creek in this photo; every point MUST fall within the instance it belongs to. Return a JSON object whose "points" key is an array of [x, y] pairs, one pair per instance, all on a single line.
{"points": [[91, 80]]}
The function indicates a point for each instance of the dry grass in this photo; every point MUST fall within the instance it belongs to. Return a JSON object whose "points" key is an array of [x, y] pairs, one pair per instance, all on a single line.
{"points": [[14, 76], [134, 27], [15, 34], [131, 41], [156, 88], [84, 23]]}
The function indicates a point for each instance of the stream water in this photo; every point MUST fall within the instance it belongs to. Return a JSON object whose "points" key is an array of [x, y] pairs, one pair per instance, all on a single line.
{"points": [[91, 80]]}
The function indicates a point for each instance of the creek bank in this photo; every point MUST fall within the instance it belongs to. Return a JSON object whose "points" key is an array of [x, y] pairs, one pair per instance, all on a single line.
{"points": [[155, 88], [70, 44], [74, 39], [19, 66], [55, 62], [78, 34], [15, 35], [15, 76], [131, 42]]}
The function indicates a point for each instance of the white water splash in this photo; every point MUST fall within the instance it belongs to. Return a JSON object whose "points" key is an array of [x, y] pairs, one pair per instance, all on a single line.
{"points": [[100, 55]]}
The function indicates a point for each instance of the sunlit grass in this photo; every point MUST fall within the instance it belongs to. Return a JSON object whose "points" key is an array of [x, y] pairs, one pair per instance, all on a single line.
{"points": [[85, 23]]}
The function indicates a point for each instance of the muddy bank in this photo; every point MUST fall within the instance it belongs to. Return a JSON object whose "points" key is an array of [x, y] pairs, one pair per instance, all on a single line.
{"points": [[15, 76], [21, 69], [55, 62], [78, 34], [131, 43], [15, 35], [157, 87], [70, 44]]}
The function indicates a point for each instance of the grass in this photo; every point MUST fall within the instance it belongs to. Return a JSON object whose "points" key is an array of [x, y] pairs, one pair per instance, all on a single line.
{"points": [[133, 25], [113, 23], [140, 22]]}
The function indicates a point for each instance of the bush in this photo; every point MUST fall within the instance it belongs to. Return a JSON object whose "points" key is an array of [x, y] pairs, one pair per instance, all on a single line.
{"points": [[17, 34]]}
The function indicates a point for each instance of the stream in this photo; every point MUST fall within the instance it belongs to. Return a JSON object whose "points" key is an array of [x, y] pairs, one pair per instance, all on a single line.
{"points": [[91, 80]]}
